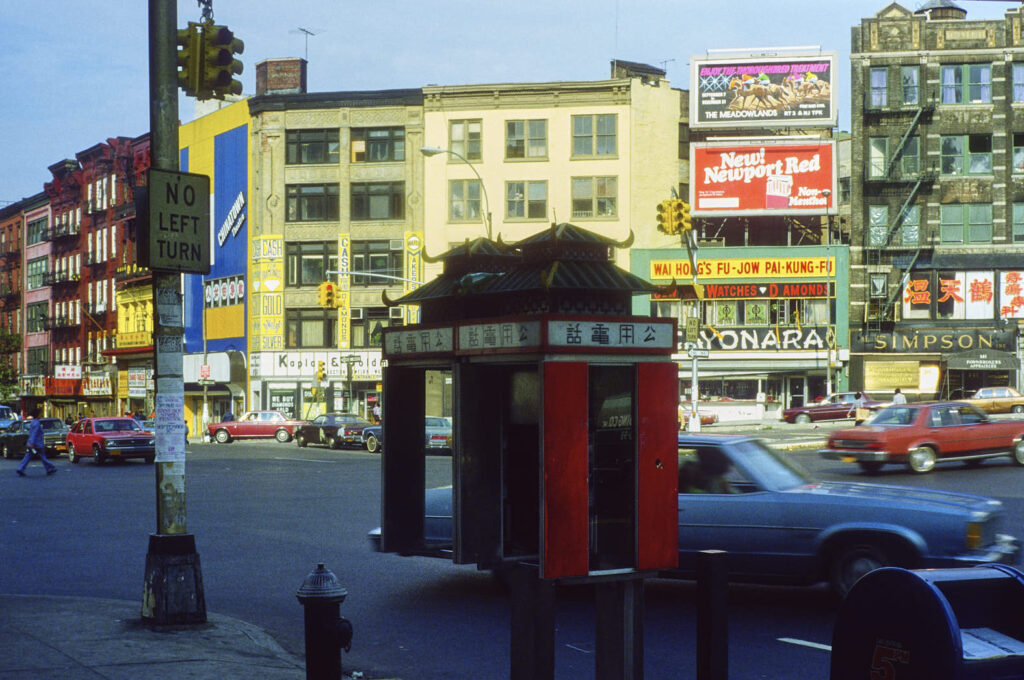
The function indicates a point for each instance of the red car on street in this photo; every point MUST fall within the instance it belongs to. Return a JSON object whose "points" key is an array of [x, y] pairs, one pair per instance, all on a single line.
{"points": [[919, 435], [106, 438], [255, 425], [834, 407]]}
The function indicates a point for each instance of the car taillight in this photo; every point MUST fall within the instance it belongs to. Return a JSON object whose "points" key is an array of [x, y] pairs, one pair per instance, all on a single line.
{"points": [[975, 532]]}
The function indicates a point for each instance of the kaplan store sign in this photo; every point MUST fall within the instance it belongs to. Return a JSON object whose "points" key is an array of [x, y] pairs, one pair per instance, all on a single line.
{"points": [[763, 92], [764, 178]]}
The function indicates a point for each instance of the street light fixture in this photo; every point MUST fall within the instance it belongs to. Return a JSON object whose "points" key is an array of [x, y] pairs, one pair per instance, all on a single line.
{"points": [[435, 150]]}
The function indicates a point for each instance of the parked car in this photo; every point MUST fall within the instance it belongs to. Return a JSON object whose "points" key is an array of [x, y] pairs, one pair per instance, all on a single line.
{"points": [[105, 438], [779, 525], [254, 425], [997, 400], [919, 435], [438, 435], [683, 417], [55, 432], [834, 407], [12, 439], [333, 430]]}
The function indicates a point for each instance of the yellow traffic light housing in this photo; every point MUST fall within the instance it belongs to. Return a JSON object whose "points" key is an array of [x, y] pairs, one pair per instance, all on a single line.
{"points": [[664, 217], [326, 294], [219, 65], [321, 372], [684, 222], [189, 42]]}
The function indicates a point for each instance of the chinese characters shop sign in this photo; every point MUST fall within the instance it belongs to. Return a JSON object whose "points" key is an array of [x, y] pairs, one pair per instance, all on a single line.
{"points": [[582, 334], [964, 295]]}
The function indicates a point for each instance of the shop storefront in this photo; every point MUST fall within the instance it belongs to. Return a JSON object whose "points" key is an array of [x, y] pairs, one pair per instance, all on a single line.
{"points": [[288, 382], [214, 386]]}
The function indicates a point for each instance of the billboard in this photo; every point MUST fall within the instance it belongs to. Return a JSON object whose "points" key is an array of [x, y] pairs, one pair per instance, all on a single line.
{"points": [[760, 92], [766, 177]]}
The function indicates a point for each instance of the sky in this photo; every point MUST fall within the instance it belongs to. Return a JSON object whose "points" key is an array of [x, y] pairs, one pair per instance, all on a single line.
{"points": [[74, 72]]}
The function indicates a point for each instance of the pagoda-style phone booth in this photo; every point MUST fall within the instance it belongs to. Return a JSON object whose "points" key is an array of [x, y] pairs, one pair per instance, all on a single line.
{"points": [[564, 428]]}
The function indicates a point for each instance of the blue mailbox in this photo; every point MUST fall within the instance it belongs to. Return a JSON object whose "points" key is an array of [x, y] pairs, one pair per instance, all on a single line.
{"points": [[932, 624]]}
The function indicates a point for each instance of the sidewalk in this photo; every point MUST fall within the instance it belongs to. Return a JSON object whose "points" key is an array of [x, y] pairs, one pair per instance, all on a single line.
{"points": [[72, 638]]}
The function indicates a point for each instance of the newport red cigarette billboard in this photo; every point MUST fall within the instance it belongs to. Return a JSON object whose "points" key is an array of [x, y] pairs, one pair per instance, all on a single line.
{"points": [[768, 177]]}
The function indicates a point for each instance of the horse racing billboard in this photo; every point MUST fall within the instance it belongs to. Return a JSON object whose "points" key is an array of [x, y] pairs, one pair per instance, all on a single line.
{"points": [[763, 92], [764, 177]]}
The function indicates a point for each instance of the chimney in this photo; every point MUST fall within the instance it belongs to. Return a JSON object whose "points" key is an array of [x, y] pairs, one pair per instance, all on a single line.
{"points": [[281, 76]]}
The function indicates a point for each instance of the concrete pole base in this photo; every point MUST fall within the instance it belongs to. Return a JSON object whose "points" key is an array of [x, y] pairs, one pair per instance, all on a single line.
{"points": [[173, 588]]}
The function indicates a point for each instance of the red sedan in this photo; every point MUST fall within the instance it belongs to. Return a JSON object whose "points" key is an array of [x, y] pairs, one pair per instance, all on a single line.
{"points": [[255, 425], [919, 435]]}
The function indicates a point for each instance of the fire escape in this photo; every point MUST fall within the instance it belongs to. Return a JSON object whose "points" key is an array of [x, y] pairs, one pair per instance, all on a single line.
{"points": [[903, 177]]}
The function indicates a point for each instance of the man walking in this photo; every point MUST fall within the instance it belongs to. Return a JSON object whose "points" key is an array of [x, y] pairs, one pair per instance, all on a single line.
{"points": [[35, 446]]}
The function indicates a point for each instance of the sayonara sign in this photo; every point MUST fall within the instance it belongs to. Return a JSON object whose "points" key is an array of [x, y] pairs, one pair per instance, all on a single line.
{"points": [[792, 178], [763, 91]]}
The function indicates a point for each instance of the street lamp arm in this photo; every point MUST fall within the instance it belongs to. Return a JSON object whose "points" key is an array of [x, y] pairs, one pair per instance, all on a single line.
{"points": [[380, 276], [434, 150]]}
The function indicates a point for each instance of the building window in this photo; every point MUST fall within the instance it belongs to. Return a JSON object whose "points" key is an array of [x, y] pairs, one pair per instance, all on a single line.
{"points": [[463, 200], [594, 135], [594, 196], [377, 257], [879, 87], [1017, 74], [973, 152], [36, 232], [526, 200], [1017, 234], [845, 190], [878, 225], [526, 139], [909, 76], [910, 157], [878, 157], [368, 331], [378, 201], [307, 264], [965, 223], [465, 137], [37, 360], [310, 328], [35, 272], [312, 202], [966, 84], [36, 316], [378, 145], [909, 231], [1018, 152], [755, 313], [311, 146]]}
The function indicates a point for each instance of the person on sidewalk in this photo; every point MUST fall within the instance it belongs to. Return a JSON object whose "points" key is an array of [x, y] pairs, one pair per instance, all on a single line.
{"points": [[35, 446], [898, 397]]}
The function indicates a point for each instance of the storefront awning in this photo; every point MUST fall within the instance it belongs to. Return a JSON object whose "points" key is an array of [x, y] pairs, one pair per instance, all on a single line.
{"points": [[982, 360]]}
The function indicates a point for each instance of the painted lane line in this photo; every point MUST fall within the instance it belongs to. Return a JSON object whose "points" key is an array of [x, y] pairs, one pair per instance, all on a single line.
{"points": [[306, 460], [805, 643]]}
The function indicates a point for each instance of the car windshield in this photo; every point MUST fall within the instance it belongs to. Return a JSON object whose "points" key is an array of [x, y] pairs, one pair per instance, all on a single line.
{"points": [[771, 469], [119, 425], [52, 424], [894, 415]]}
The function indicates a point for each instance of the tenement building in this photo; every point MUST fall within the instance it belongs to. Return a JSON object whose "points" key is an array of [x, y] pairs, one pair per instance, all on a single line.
{"points": [[937, 229]]}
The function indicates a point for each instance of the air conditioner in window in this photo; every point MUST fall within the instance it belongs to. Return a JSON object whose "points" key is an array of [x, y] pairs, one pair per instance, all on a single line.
{"points": [[357, 313], [397, 244], [396, 313]]}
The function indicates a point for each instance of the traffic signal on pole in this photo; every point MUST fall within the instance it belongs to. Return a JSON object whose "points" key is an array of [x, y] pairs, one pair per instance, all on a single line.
{"points": [[189, 54], [219, 66], [321, 372], [664, 216], [326, 294], [685, 221]]}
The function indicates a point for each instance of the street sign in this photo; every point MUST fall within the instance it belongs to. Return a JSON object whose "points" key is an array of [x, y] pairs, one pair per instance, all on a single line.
{"points": [[177, 236], [692, 329], [698, 353], [204, 371]]}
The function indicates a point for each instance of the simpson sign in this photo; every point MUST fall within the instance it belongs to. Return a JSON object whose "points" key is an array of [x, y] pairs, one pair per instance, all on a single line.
{"points": [[762, 179]]}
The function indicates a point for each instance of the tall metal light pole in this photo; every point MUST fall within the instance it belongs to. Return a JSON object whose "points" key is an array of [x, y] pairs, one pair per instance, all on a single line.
{"points": [[827, 193], [434, 150]]}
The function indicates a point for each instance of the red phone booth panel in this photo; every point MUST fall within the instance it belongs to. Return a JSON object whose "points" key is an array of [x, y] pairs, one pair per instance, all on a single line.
{"points": [[565, 524], [657, 474]]}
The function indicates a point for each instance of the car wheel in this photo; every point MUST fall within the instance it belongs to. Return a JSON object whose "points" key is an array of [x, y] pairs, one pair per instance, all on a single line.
{"points": [[300, 440], [7, 451], [1018, 452], [851, 563], [372, 444], [334, 442], [97, 454], [222, 436], [1017, 408], [73, 456], [870, 466], [802, 419], [282, 435], [922, 459]]}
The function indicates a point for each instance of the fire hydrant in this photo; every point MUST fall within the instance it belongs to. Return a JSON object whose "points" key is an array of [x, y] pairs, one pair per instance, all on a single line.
{"points": [[327, 633]]}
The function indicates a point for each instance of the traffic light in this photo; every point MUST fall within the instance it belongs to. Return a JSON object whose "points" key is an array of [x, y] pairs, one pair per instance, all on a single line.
{"points": [[681, 221], [665, 216], [219, 65], [327, 294], [321, 372], [189, 53]]}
